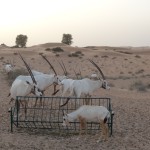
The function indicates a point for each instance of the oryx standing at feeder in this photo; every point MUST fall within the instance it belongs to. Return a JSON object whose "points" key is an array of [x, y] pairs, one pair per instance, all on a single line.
{"points": [[24, 87], [43, 80], [58, 77], [86, 86]]}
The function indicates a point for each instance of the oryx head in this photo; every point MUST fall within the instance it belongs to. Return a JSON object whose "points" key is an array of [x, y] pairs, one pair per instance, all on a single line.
{"points": [[103, 80], [65, 119], [8, 67], [35, 90]]}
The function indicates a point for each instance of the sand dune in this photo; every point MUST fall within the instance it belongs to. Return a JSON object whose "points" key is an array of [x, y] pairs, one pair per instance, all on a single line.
{"points": [[127, 70]]}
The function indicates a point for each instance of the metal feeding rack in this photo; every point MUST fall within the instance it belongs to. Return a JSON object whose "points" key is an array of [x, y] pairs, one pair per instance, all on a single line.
{"points": [[46, 113]]}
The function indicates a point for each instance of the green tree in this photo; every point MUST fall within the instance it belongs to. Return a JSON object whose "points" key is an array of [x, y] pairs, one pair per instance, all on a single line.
{"points": [[21, 40], [67, 39]]}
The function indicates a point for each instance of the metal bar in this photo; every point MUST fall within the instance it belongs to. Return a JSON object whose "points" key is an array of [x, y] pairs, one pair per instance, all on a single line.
{"points": [[111, 131], [17, 103]]}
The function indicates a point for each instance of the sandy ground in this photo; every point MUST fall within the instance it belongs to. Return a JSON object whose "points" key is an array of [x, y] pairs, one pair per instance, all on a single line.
{"points": [[123, 67]]}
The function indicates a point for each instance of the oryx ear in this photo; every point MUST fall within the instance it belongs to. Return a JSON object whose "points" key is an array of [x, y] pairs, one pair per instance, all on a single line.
{"points": [[64, 113]]}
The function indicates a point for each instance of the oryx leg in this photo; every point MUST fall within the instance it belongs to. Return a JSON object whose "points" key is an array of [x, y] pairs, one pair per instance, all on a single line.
{"points": [[41, 103], [36, 102], [87, 101], [104, 130], [11, 100], [63, 91], [82, 125], [25, 109]]}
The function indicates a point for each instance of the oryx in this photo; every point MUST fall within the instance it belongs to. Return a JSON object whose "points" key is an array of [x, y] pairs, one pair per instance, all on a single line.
{"points": [[24, 87], [85, 86]]}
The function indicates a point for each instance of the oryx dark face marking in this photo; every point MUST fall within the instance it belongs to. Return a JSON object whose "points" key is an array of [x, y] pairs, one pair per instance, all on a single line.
{"points": [[105, 85]]}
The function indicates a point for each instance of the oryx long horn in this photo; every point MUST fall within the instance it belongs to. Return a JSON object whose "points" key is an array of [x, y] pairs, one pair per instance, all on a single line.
{"points": [[49, 64], [80, 73], [75, 73], [97, 68], [62, 68], [29, 70], [65, 102]]}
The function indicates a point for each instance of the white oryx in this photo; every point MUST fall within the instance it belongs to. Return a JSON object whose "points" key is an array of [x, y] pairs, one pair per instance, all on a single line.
{"points": [[24, 87], [88, 113], [8, 68], [84, 86], [43, 80], [34, 72], [94, 76]]}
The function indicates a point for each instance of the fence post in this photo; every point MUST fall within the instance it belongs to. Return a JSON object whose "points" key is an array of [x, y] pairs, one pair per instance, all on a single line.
{"points": [[112, 115], [17, 105]]}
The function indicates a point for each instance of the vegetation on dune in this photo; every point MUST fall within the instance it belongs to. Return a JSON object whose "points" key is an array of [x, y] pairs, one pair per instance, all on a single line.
{"points": [[76, 54], [67, 39], [21, 40], [55, 50]]}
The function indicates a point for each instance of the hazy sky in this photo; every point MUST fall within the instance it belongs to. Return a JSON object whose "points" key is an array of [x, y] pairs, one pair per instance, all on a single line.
{"points": [[91, 22]]}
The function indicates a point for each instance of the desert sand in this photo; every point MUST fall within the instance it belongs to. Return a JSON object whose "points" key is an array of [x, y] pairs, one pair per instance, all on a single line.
{"points": [[127, 70]]}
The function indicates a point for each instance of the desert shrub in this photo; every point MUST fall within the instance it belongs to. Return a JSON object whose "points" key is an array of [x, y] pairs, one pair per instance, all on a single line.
{"points": [[12, 75], [138, 85], [76, 54], [130, 72], [57, 55], [140, 71], [69, 55], [95, 56], [137, 56], [15, 53], [41, 53], [114, 58], [1, 58], [105, 56], [144, 62], [124, 52], [122, 77], [57, 49], [47, 49]]}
